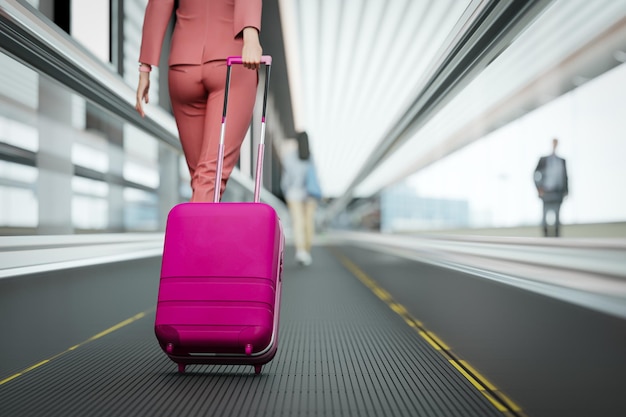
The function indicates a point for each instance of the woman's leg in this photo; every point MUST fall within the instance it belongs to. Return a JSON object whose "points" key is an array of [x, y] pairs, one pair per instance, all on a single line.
{"points": [[296, 210], [309, 225], [189, 98]]}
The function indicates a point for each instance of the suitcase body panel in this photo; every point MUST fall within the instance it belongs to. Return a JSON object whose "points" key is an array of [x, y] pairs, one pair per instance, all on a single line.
{"points": [[220, 286]]}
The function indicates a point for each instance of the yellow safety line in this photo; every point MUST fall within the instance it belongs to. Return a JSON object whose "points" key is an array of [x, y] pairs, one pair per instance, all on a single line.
{"points": [[438, 341], [92, 338], [471, 374], [428, 339]]}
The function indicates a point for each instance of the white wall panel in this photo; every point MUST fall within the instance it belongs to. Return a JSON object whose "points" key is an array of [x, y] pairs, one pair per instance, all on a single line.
{"points": [[19, 83]]}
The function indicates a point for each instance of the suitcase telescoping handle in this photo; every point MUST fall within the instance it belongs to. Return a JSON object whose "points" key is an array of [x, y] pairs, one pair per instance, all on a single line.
{"points": [[267, 60]]}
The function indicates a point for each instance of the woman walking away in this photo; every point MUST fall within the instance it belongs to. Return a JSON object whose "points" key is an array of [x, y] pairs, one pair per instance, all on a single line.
{"points": [[302, 191], [205, 34]]}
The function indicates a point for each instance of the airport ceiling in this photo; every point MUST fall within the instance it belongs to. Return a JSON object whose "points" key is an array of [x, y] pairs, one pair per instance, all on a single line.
{"points": [[373, 81]]}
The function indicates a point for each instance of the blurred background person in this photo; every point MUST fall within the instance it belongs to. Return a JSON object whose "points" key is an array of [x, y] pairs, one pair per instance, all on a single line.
{"points": [[552, 185], [302, 191]]}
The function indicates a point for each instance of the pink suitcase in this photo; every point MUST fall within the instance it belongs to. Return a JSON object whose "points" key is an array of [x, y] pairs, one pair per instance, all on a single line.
{"points": [[220, 288]]}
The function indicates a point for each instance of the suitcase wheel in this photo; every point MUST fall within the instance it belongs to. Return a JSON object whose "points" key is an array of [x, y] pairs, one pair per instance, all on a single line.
{"points": [[257, 369], [181, 368]]}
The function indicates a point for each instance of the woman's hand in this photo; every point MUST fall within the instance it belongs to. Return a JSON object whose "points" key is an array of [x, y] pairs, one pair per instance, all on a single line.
{"points": [[142, 92], [251, 51]]}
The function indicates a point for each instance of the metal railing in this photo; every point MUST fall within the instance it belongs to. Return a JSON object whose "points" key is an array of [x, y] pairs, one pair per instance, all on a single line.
{"points": [[23, 255]]}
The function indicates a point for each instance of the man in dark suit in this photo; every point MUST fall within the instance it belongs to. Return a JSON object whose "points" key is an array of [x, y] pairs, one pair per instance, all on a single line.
{"points": [[551, 182]]}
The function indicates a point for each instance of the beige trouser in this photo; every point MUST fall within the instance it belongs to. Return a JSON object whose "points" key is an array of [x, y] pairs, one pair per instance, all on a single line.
{"points": [[303, 222]]}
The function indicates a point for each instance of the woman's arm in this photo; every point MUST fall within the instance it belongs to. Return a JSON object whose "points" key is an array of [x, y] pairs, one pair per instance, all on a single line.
{"points": [[143, 87], [252, 50], [156, 19], [247, 24]]}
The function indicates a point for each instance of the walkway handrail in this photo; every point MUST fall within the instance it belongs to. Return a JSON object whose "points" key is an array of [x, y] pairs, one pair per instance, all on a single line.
{"points": [[24, 255], [588, 272]]}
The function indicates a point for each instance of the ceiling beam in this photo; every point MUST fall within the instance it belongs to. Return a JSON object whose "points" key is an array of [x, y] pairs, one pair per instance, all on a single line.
{"points": [[487, 33]]}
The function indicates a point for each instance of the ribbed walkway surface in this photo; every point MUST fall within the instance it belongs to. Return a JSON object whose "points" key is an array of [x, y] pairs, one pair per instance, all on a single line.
{"points": [[342, 352]]}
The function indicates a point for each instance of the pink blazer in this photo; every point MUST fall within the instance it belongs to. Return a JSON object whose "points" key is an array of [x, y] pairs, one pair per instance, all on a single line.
{"points": [[205, 30]]}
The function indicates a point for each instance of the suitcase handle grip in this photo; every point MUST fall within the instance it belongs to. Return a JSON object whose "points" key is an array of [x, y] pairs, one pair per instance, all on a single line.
{"points": [[265, 59]]}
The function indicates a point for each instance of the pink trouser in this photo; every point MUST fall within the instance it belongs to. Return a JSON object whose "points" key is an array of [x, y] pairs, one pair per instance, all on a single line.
{"points": [[197, 95]]}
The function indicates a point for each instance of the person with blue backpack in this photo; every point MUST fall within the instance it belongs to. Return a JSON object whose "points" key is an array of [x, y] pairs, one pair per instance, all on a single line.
{"points": [[302, 191]]}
